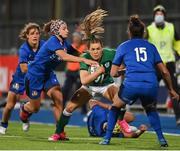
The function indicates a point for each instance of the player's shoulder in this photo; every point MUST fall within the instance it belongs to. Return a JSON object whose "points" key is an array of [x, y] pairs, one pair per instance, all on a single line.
{"points": [[124, 44], [108, 53], [24, 47], [143, 42], [41, 42], [108, 50], [86, 55], [52, 38], [147, 43], [52, 43]]}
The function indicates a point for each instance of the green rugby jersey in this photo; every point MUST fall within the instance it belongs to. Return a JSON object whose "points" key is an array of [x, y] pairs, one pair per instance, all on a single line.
{"points": [[106, 60]]}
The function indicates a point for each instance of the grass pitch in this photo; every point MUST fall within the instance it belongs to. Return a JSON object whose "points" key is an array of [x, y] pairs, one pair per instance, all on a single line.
{"points": [[36, 139]]}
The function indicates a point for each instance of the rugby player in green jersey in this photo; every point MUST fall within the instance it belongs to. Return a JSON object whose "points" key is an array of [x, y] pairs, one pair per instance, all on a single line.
{"points": [[96, 80]]}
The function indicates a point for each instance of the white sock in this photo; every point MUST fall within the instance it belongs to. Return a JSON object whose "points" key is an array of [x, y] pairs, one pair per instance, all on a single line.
{"points": [[66, 113]]}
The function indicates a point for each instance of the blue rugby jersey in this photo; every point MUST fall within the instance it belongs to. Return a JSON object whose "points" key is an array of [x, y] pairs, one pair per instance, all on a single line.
{"points": [[140, 58], [26, 55], [46, 59]]}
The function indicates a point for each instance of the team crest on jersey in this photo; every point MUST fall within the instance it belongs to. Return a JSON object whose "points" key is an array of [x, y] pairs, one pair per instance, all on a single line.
{"points": [[16, 86], [55, 57], [107, 64], [34, 93]]}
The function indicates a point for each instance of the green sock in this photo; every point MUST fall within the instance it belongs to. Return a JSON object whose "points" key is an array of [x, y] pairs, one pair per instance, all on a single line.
{"points": [[63, 121], [121, 114]]}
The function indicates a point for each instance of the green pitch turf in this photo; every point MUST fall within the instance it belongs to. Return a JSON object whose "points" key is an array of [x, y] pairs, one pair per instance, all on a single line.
{"points": [[36, 139]]}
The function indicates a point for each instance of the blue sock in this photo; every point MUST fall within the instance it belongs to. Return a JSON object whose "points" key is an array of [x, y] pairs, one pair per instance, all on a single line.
{"points": [[4, 124], [155, 123], [112, 119]]}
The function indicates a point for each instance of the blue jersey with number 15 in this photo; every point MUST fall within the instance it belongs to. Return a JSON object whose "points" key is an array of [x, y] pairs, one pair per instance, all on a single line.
{"points": [[140, 57]]}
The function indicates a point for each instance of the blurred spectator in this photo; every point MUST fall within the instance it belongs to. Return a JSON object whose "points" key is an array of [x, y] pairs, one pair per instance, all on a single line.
{"points": [[164, 36], [72, 82]]}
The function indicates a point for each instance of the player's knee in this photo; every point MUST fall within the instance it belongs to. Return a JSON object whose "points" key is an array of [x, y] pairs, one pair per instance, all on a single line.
{"points": [[57, 96], [10, 105], [35, 109], [57, 102], [70, 109]]}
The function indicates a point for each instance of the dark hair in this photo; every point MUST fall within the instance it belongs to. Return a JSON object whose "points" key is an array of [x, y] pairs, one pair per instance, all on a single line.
{"points": [[46, 27], [27, 28], [136, 26], [94, 40]]}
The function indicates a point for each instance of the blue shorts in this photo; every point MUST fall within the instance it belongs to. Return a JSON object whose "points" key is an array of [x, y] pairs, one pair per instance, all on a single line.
{"points": [[36, 84], [17, 86], [130, 94], [96, 119]]}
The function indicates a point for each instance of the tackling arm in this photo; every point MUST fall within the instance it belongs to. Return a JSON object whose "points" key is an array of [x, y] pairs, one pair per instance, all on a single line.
{"points": [[66, 57]]}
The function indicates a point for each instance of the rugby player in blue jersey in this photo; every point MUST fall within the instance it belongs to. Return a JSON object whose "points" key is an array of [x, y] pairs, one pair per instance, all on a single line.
{"points": [[97, 121], [140, 59], [40, 75], [31, 34]]}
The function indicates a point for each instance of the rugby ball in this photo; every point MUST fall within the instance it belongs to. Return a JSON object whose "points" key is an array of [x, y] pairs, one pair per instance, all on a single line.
{"points": [[93, 68]]}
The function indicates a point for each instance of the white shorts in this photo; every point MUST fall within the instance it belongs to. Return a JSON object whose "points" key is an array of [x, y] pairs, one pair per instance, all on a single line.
{"points": [[97, 90]]}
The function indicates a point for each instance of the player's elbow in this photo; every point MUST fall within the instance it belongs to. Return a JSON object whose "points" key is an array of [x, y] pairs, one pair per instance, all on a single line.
{"points": [[165, 73], [23, 67], [114, 70], [24, 70], [84, 81], [113, 73], [163, 70]]}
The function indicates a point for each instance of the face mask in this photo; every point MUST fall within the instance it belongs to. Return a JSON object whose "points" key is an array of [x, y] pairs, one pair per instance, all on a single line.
{"points": [[159, 19]]}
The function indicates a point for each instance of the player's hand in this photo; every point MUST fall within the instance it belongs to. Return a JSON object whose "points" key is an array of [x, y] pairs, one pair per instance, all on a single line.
{"points": [[143, 127], [122, 71], [174, 95], [90, 62], [101, 69], [92, 103]]}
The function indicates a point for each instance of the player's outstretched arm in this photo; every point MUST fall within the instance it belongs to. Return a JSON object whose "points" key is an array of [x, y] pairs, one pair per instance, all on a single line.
{"points": [[67, 57]]}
